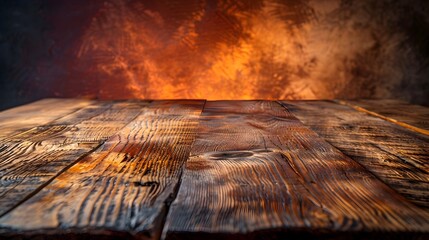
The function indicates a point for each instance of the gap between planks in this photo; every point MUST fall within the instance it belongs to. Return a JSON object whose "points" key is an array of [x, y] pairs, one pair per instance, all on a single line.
{"points": [[37, 113], [169, 199], [31, 158], [255, 169], [150, 150], [38, 189], [375, 114], [396, 155]]}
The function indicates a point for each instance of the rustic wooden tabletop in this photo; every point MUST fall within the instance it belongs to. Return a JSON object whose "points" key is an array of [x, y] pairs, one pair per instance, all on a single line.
{"points": [[196, 169]]}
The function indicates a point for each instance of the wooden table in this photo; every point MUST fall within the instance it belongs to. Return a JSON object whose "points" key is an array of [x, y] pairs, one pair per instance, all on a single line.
{"points": [[195, 169]]}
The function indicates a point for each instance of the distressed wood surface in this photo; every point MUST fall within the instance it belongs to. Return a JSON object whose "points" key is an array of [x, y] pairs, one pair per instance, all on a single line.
{"points": [[111, 170], [123, 188], [413, 117], [37, 113], [31, 159], [398, 156], [255, 171]]}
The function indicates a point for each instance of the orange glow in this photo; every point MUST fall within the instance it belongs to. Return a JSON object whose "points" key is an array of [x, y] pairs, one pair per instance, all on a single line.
{"points": [[263, 49], [185, 50]]}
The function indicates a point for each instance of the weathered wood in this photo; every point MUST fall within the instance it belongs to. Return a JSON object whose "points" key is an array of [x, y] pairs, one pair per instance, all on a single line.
{"points": [[31, 159], [396, 155], [410, 116], [255, 171], [124, 187], [38, 113]]}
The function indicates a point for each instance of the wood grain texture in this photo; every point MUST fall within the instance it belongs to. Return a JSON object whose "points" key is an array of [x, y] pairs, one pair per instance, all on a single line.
{"points": [[398, 156], [124, 187], [37, 113], [31, 159], [255, 171], [413, 117]]}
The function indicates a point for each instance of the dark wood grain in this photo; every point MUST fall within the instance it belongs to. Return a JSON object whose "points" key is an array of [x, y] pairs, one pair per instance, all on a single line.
{"points": [[398, 156], [31, 159], [37, 113], [124, 187], [255, 171], [413, 117]]}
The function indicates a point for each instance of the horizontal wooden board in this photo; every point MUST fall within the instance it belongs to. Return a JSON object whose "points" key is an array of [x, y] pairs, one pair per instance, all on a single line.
{"points": [[398, 156], [37, 113], [255, 171], [124, 187], [31, 159], [413, 117]]}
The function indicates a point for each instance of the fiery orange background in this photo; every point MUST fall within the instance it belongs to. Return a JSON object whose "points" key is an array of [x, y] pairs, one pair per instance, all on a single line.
{"points": [[230, 49]]}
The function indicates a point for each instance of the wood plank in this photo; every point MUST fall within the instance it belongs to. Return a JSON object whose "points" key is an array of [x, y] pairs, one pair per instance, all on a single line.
{"points": [[413, 117], [396, 155], [37, 113], [257, 172], [121, 189], [31, 159]]}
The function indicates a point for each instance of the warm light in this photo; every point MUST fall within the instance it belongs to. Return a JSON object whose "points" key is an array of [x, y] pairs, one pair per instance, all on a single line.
{"points": [[264, 49]]}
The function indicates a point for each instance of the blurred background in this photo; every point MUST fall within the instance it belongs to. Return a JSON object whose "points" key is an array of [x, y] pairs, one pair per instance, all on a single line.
{"points": [[214, 49]]}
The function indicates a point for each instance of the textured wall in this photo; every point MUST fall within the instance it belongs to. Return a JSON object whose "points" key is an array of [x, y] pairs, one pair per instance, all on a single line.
{"points": [[215, 49]]}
